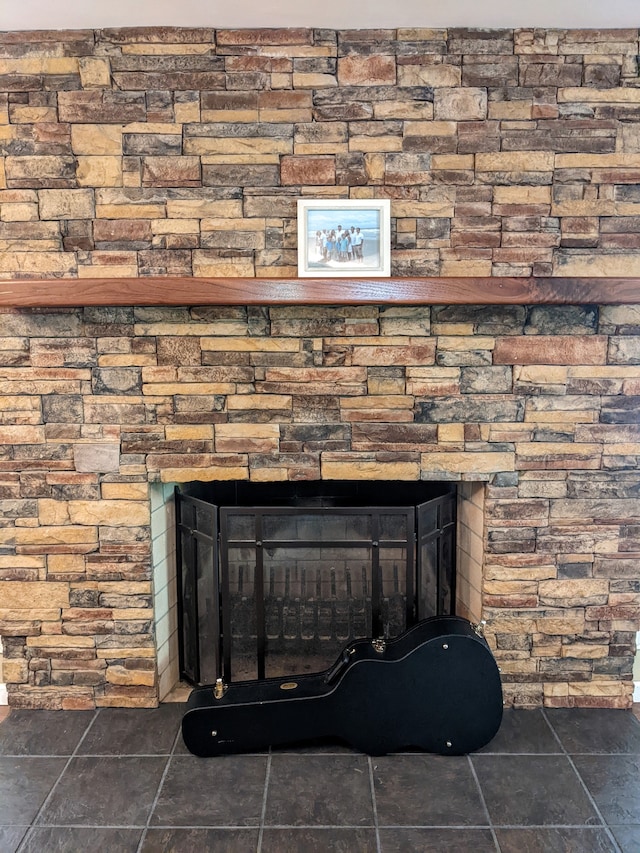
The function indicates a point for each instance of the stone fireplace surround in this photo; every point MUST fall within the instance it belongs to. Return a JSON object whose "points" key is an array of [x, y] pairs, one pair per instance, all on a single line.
{"points": [[145, 171], [532, 409]]}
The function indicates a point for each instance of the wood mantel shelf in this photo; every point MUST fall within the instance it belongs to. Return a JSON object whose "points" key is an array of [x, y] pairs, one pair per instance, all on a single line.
{"points": [[172, 290]]}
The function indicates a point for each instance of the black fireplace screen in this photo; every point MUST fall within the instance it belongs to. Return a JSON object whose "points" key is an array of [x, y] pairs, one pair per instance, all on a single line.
{"points": [[269, 590]]}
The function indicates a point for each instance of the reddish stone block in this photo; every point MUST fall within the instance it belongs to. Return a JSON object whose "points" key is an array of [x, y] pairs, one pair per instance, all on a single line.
{"points": [[313, 171], [373, 70]]}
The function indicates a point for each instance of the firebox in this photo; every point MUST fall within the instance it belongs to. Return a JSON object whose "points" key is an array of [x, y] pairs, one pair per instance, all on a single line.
{"points": [[274, 578]]}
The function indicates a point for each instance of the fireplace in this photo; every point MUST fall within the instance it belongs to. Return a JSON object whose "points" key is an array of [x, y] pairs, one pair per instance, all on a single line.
{"points": [[273, 579]]}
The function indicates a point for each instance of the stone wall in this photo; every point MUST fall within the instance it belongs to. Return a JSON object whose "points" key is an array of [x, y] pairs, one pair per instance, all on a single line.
{"points": [[538, 403], [182, 152], [139, 152]]}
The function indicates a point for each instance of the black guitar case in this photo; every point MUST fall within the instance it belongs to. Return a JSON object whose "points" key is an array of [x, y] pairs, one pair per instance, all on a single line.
{"points": [[434, 688]]}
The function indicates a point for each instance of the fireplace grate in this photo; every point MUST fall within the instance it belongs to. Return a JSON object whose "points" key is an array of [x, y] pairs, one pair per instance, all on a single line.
{"points": [[275, 590]]}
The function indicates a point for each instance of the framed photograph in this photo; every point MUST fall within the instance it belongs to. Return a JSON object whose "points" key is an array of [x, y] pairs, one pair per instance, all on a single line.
{"points": [[339, 238]]}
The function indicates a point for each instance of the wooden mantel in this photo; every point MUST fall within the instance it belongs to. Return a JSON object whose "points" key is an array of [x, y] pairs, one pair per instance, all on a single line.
{"points": [[171, 290]]}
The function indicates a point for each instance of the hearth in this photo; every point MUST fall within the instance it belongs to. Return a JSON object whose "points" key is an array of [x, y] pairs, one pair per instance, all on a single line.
{"points": [[273, 579]]}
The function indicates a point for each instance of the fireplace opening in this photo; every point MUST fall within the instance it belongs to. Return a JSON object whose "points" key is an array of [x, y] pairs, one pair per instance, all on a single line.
{"points": [[274, 578]]}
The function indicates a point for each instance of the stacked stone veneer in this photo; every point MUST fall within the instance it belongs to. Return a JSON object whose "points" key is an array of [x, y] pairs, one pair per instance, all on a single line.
{"points": [[540, 404], [131, 153], [141, 152]]}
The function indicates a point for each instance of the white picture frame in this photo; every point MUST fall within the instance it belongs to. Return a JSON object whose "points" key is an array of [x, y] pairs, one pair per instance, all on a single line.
{"points": [[325, 252]]}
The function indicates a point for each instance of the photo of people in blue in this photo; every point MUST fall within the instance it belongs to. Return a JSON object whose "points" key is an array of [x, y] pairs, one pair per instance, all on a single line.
{"points": [[343, 239]]}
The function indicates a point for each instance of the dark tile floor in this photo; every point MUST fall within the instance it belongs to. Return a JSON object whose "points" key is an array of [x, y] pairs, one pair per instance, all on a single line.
{"points": [[555, 781]]}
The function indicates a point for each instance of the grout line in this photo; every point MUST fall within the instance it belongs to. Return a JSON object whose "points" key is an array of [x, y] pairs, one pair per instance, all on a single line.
{"points": [[583, 784], [159, 788], [374, 804], [484, 803], [47, 799], [263, 812]]}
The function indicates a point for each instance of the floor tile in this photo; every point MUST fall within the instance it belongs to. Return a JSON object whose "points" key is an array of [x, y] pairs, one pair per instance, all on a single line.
{"points": [[556, 840], [10, 837], [426, 790], [133, 731], [437, 841], [73, 839], [614, 783], [43, 732], [533, 790], [523, 732], [319, 790], [200, 840], [337, 840], [596, 730], [24, 786], [104, 792], [223, 791], [628, 837]]}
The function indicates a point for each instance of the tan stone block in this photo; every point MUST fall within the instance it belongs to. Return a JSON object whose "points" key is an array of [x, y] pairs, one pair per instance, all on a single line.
{"points": [[64, 535], [116, 653], [223, 344], [430, 128], [405, 110], [460, 104], [401, 208], [176, 432], [452, 161], [28, 595], [450, 433], [510, 110], [598, 161], [586, 95], [429, 75], [333, 469], [65, 564], [597, 688], [205, 265], [372, 144], [60, 641], [125, 491], [202, 208], [237, 145], [39, 65], [584, 651], [18, 212], [308, 80], [515, 161], [108, 271], [15, 671], [66, 204], [188, 113], [539, 375], [179, 226], [130, 211], [99, 171], [95, 73], [96, 139], [594, 265], [392, 402], [465, 268], [226, 224], [52, 512], [206, 475], [574, 592], [121, 675], [452, 462], [462, 343], [38, 263], [244, 402], [269, 475], [124, 614], [22, 435], [522, 195]]}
